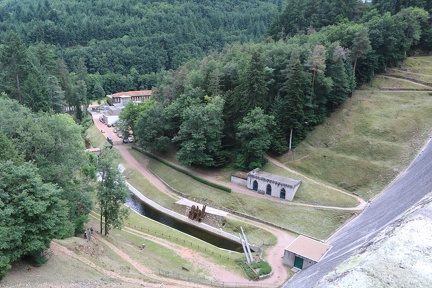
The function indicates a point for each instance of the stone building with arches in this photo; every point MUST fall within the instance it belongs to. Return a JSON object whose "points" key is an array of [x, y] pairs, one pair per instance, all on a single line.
{"points": [[272, 185]]}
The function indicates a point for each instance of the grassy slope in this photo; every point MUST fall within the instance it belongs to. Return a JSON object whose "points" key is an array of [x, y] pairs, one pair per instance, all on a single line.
{"points": [[371, 138], [319, 223]]}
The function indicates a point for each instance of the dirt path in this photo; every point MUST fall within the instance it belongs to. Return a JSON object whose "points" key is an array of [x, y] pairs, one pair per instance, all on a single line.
{"points": [[214, 270], [422, 84], [124, 150], [58, 248], [273, 255], [140, 167], [164, 282]]}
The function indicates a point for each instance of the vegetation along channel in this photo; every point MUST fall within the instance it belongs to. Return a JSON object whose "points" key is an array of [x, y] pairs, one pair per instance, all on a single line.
{"points": [[293, 115]]}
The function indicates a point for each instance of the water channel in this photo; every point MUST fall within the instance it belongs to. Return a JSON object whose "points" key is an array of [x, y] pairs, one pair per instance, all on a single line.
{"points": [[142, 208]]}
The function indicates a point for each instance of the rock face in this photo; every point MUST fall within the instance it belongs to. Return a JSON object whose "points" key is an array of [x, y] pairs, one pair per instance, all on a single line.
{"points": [[400, 256]]}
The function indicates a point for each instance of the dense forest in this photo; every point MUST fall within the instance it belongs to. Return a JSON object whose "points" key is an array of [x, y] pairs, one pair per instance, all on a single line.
{"points": [[232, 80], [124, 43]]}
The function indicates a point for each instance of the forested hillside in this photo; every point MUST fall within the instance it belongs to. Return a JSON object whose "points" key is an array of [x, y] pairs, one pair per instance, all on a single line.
{"points": [[125, 42], [231, 83], [267, 96]]}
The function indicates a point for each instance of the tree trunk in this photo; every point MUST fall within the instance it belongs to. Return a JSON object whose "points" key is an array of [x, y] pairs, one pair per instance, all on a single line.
{"points": [[355, 65], [106, 225], [18, 89], [101, 223]]}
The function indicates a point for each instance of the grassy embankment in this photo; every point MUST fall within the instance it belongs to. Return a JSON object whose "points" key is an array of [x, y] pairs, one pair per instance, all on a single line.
{"points": [[373, 136], [307, 220]]}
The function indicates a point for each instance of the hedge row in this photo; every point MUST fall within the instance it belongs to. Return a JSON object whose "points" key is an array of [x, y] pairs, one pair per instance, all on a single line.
{"points": [[204, 181]]}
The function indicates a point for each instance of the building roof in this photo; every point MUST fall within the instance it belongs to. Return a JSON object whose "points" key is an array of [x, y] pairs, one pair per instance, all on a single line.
{"points": [[277, 178], [308, 248], [133, 93]]}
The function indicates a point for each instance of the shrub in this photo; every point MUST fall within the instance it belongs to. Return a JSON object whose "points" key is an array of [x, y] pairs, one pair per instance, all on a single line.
{"points": [[247, 269], [265, 268]]}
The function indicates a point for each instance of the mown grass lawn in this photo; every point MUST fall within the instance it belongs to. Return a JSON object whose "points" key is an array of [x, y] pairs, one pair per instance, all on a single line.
{"points": [[312, 193]]}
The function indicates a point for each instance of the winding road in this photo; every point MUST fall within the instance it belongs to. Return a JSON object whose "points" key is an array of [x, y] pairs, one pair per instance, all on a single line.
{"points": [[405, 191]]}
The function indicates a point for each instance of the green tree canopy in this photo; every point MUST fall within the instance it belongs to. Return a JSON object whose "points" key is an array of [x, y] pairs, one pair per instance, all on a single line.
{"points": [[31, 214], [255, 138], [130, 113], [201, 133]]}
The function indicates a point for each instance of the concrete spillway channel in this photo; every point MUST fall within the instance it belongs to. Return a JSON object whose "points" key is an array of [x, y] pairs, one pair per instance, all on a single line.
{"points": [[182, 223]]}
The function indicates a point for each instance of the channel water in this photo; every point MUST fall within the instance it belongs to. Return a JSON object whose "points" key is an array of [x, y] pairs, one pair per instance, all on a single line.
{"points": [[142, 208]]}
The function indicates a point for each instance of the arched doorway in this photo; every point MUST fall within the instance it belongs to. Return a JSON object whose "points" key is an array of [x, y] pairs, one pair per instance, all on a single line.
{"points": [[282, 193], [255, 185], [268, 190]]}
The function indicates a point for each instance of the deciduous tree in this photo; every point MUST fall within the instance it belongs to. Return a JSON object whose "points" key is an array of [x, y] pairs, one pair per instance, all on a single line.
{"points": [[254, 136], [201, 133], [31, 214], [111, 194]]}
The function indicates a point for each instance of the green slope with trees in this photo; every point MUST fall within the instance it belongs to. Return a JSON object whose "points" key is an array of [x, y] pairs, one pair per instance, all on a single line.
{"points": [[218, 102], [296, 82]]}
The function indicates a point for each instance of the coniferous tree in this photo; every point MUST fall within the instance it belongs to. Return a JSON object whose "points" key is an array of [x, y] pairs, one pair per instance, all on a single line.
{"points": [[13, 59], [296, 97], [336, 70], [251, 91], [79, 94]]}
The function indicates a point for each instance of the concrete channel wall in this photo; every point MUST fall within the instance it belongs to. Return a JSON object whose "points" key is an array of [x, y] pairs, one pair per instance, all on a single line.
{"points": [[182, 218]]}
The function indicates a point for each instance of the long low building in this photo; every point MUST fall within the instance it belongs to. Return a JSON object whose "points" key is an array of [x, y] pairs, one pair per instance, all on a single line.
{"points": [[135, 96]]}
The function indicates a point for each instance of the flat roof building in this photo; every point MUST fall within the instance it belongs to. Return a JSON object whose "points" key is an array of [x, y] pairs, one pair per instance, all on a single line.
{"points": [[304, 252]]}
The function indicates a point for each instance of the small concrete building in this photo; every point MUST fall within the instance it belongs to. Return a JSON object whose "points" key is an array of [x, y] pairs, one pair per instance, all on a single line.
{"points": [[273, 185], [304, 252]]}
